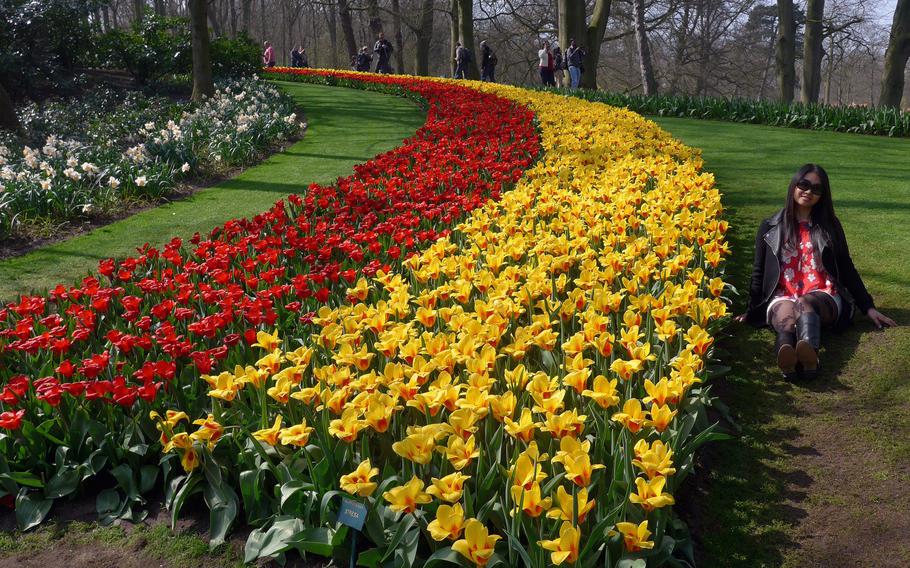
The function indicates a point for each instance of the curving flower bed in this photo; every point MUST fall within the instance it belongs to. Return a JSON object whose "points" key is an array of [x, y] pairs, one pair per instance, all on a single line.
{"points": [[525, 390], [80, 364]]}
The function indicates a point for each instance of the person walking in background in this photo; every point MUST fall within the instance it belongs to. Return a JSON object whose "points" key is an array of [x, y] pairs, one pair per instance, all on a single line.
{"points": [[268, 56], [488, 63], [558, 66], [546, 65], [304, 60], [363, 60], [383, 51], [575, 58], [297, 57], [461, 55]]}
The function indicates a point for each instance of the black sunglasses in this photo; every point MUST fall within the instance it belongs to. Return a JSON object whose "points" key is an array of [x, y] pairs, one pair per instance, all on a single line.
{"points": [[806, 185]]}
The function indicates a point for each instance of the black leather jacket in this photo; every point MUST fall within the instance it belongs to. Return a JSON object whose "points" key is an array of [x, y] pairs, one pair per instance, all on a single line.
{"points": [[835, 258]]}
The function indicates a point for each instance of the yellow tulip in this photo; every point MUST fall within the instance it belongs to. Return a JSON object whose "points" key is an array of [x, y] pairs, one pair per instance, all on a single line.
{"points": [[223, 386], [348, 427], [625, 369], [405, 498], [464, 422], [569, 423], [565, 505], [603, 392], [565, 548], [448, 488], [172, 418], [379, 412], [650, 493], [503, 406], [181, 441], [460, 452], [358, 481], [448, 524], [267, 341], [190, 460], [631, 416], [417, 447], [661, 416], [297, 435], [527, 470], [477, 544], [524, 428], [269, 435], [209, 431], [635, 537], [579, 468], [529, 500], [654, 460]]}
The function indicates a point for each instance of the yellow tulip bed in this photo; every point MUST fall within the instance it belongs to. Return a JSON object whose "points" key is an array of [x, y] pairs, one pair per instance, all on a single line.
{"points": [[528, 391]]}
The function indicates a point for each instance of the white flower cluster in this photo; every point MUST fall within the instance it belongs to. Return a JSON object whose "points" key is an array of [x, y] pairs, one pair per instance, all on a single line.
{"points": [[66, 177]]}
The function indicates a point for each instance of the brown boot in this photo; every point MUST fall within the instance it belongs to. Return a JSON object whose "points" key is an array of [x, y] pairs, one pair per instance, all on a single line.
{"points": [[786, 355], [809, 330]]}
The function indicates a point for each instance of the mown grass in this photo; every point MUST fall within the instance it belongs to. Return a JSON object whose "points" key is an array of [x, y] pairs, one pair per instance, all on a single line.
{"points": [[346, 127], [757, 488]]}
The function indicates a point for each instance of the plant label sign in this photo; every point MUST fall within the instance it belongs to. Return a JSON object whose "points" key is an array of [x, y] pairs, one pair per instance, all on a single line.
{"points": [[353, 514]]}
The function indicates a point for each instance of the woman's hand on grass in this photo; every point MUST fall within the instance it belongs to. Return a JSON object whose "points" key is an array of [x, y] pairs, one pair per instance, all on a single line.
{"points": [[740, 318], [879, 319]]}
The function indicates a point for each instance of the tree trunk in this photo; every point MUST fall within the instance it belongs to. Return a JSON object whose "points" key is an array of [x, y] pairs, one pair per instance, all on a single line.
{"points": [[896, 56], [595, 37], [159, 7], [8, 118], [202, 63], [466, 35], [331, 20], [648, 83], [138, 9], [375, 18], [812, 51], [213, 18], [344, 12], [786, 50], [572, 22], [247, 15], [399, 40], [262, 36], [453, 35], [232, 6], [424, 37]]}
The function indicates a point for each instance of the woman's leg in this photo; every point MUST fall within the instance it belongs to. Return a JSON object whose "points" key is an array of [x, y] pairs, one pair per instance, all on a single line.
{"points": [[815, 309], [782, 317]]}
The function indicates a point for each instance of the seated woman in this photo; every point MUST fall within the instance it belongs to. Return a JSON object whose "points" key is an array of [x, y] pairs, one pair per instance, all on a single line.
{"points": [[803, 276]]}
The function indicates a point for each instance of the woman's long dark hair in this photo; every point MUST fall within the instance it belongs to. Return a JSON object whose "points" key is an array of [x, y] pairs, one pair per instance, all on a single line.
{"points": [[822, 212]]}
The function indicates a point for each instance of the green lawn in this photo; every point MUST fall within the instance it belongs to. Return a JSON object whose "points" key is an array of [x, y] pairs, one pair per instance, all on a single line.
{"points": [[346, 127], [819, 475]]}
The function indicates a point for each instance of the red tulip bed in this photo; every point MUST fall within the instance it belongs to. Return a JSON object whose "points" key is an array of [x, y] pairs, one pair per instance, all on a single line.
{"points": [[82, 366]]}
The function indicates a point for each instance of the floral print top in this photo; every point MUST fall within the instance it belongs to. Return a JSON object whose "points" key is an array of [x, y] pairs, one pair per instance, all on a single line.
{"points": [[800, 271]]}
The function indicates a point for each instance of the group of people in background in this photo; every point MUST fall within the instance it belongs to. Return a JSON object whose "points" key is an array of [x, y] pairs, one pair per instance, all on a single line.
{"points": [[382, 53], [553, 64], [464, 57], [298, 56]]}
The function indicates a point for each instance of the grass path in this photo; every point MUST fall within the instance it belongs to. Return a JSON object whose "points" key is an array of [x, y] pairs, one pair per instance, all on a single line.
{"points": [[820, 475], [346, 127]]}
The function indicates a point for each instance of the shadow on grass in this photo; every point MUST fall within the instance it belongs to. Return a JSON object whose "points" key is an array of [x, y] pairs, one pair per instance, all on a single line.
{"points": [[749, 492]]}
